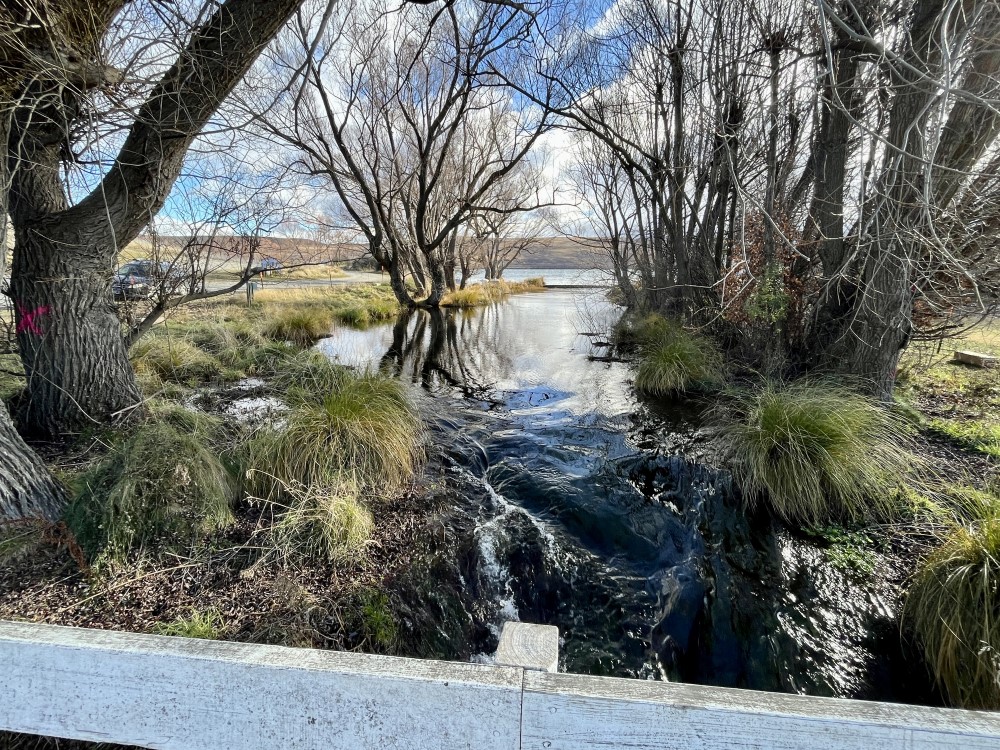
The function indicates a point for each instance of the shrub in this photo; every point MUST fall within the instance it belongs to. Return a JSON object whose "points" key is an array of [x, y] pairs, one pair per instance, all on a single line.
{"points": [[172, 358], [207, 624], [340, 422], [328, 522], [165, 485], [953, 608], [303, 325], [816, 449]]}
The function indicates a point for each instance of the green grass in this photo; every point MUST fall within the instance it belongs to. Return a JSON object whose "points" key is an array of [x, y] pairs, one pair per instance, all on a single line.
{"points": [[952, 399], [953, 605], [850, 551], [162, 488], [207, 624], [672, 359], [377, 620], [970, 434], [328, 523], [341, 422], [816, 450]]}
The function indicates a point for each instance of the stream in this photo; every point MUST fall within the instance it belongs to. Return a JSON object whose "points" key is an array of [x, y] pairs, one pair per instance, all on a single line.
{"points": [[562, 498]]}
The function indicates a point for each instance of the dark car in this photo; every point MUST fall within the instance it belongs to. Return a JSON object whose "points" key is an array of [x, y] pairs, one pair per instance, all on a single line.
{"points": [[139, 279]]}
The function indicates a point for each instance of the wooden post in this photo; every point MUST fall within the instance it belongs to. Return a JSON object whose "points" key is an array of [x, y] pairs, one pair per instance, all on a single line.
{"points": [[529, 646]]}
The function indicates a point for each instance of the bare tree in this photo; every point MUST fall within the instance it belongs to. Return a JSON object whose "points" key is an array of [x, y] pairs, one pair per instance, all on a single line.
{"points": [[809, 174], [402, 112]]}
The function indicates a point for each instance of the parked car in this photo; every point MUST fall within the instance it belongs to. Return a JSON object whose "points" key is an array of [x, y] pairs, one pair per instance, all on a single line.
{"points": [[139, 279]]}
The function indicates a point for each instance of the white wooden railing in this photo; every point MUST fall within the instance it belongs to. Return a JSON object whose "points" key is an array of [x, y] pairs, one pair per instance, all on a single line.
{"points": [[180, 694]]}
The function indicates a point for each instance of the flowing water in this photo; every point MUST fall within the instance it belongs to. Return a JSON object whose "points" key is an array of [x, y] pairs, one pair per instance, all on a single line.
{"points": [[563, 499]]}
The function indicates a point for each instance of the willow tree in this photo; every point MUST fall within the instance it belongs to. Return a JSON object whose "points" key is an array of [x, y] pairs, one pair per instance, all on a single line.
{"points": [[56, 82], [402, 111], [821, 179]]}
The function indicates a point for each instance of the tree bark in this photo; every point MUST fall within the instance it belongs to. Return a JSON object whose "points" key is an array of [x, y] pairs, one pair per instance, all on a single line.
{"points": [[27, 488]]}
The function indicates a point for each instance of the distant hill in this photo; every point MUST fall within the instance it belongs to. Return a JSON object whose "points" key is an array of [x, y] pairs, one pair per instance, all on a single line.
{"points": [[548, 252], [560, 252]]}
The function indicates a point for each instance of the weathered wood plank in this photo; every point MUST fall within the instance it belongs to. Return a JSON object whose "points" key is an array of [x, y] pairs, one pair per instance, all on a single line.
{"points": [[573, 712], [530, 646], [976, 359], [174, 693], [179, 694]]}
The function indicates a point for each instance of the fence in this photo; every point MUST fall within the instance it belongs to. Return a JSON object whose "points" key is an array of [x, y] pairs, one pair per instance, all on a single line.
{"points": [[180, 694]]}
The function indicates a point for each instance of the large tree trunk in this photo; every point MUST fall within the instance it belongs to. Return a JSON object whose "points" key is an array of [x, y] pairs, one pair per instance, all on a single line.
{"points": [[68, 333], [27, 488], [439, 279], [70, 339]]}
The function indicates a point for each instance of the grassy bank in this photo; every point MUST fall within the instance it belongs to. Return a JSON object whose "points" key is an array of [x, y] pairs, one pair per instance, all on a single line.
{"points": [[957, 402], [905, 497], [490, 292], [224, 340], [195, 522]]}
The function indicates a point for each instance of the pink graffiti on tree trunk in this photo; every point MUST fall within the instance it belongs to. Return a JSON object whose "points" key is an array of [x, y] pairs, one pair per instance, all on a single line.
{"points": [[30, 319]]}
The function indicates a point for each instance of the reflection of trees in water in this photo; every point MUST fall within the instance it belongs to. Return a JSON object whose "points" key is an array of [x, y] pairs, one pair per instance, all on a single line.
{"points": [[467, 350]]}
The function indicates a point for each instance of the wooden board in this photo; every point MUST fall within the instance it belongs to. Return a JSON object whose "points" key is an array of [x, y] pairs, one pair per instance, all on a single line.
{"points": [[574, 712], [975, 359], [181, 694], [530, 646]]}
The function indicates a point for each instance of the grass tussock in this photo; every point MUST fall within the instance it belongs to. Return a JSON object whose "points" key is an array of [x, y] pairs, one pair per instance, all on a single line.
{"points": [[341, 422], [953, 605], [672, 359], [207, 625], [362, 315], [358, 306], [173, 359], [162, 488], [322, 522], [817, 450], [302, 326]]}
